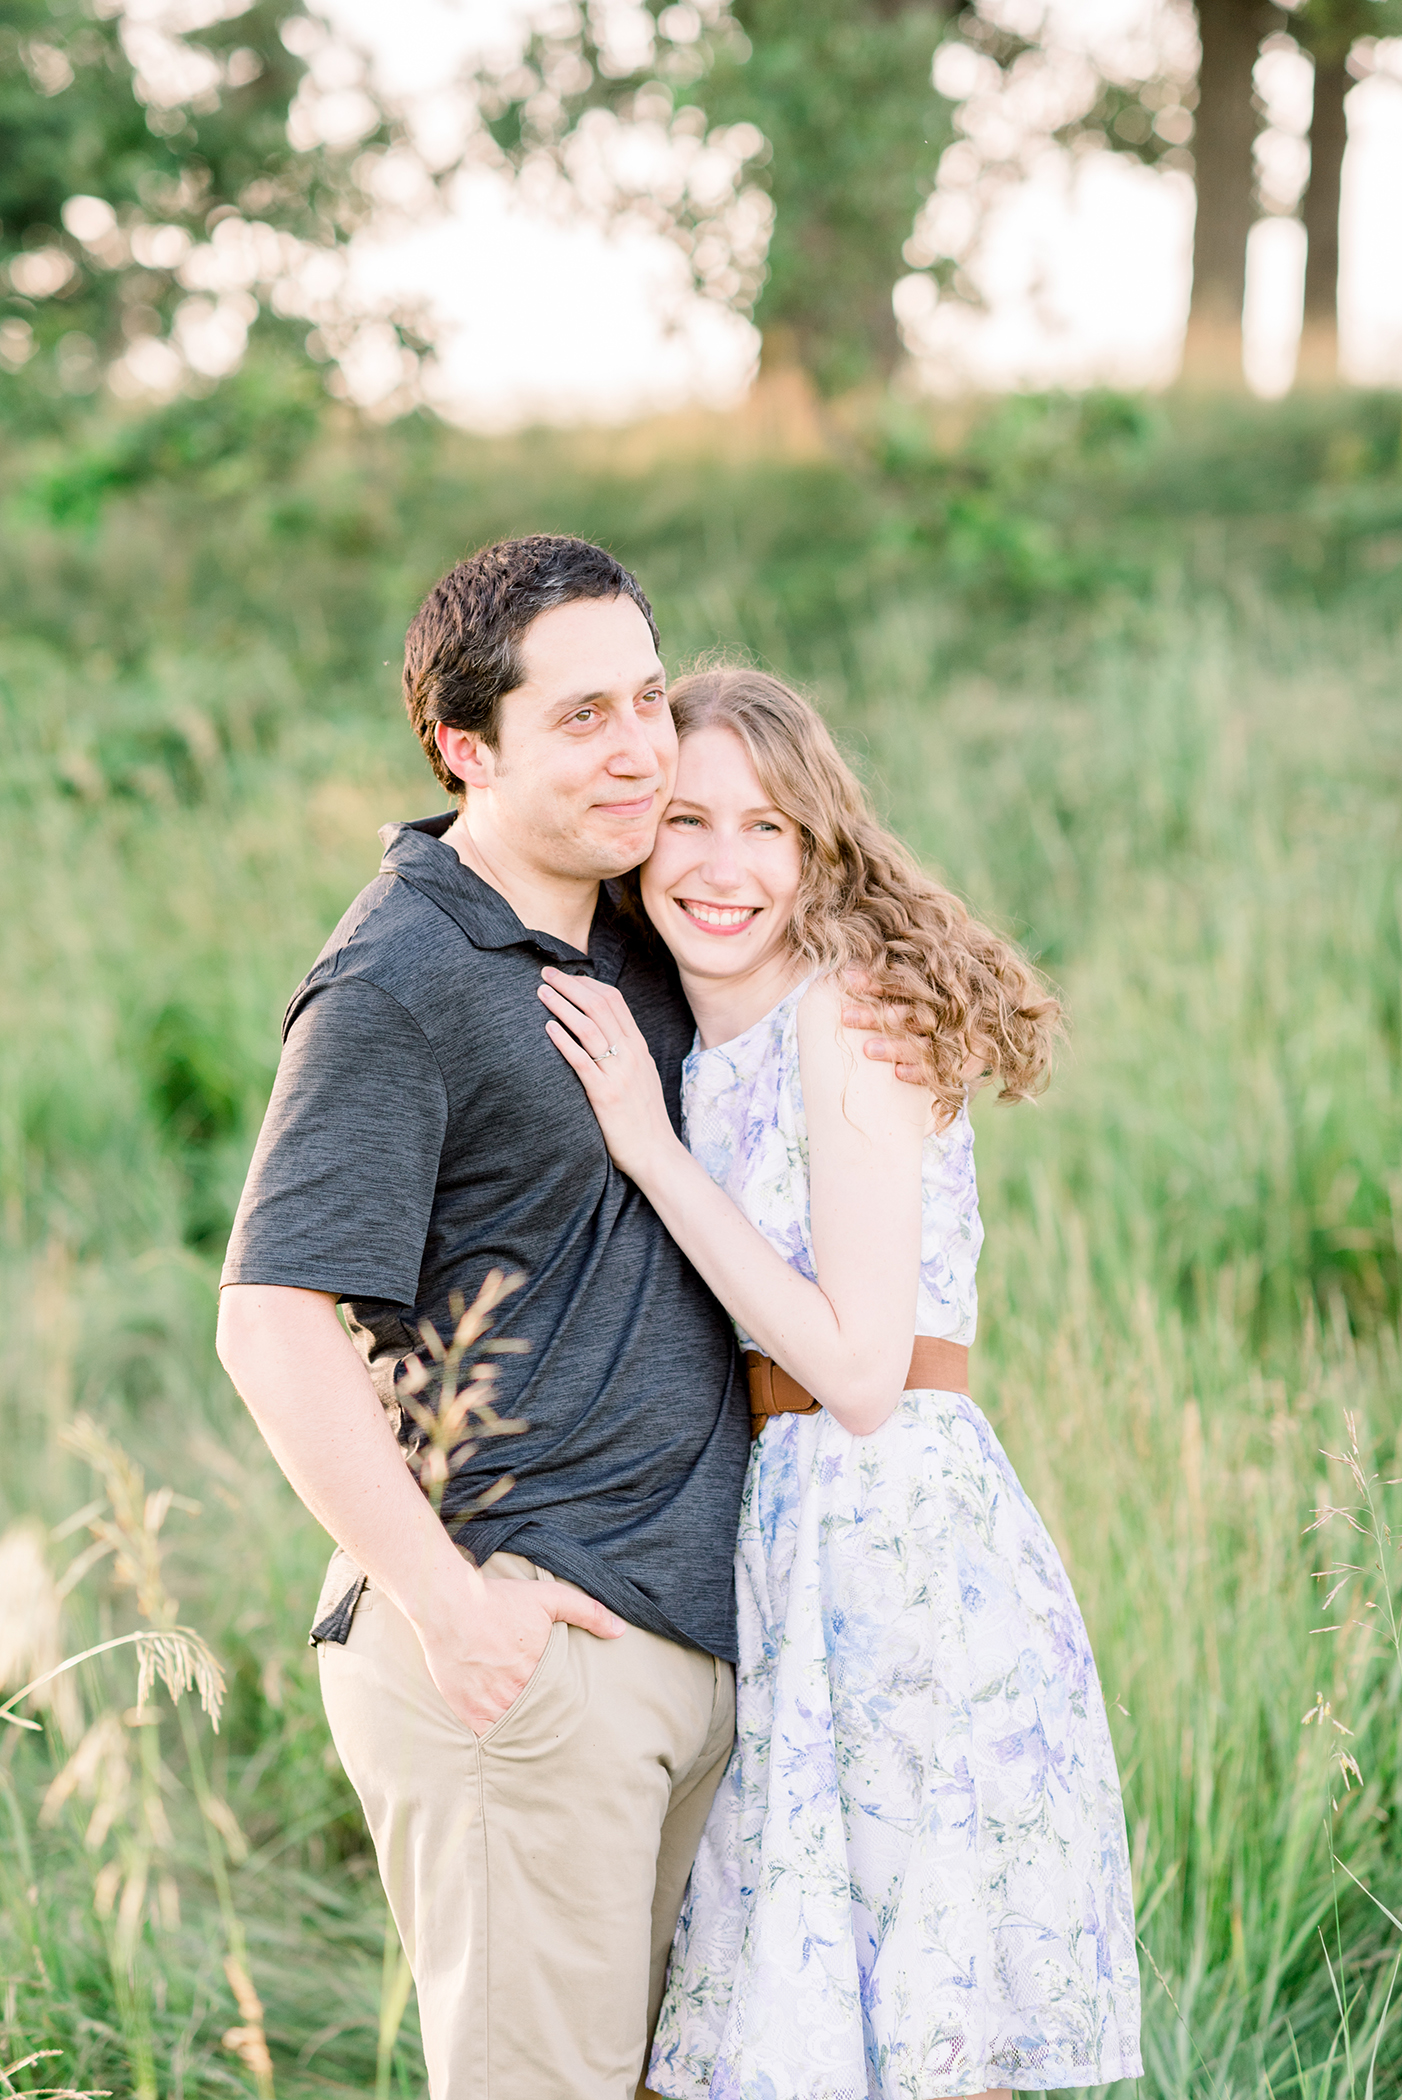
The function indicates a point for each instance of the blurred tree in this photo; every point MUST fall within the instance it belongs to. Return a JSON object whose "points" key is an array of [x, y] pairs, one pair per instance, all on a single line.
{"points": [[1150, 120], [785, 146], [123, 146], [1192, 111], [1224, 138], [1218, 112], [1330, 31]]}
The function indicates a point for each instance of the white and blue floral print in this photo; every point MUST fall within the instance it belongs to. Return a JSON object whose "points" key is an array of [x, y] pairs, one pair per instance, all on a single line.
{"points": [[914, 1880]]}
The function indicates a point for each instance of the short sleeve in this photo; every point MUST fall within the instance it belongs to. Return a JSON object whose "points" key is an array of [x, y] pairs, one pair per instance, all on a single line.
{"points": [[341, 1187]]}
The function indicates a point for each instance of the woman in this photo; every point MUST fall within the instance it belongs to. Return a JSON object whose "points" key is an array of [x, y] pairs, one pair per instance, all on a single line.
{"points": [[914, 1880]]}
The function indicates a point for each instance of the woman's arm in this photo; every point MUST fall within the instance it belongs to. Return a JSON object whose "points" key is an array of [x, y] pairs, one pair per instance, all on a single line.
{"points": [[847, 1339]]}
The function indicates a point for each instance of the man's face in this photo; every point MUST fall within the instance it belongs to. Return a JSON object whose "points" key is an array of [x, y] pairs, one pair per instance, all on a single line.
{"points": [[586, 753]]}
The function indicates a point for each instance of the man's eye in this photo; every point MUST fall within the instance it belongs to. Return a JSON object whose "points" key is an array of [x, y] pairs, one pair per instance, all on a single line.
{"points": [[654, 697], [584, 714]]}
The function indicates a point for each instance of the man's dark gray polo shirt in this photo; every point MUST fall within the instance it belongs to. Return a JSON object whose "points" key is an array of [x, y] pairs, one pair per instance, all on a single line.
{"points": [[422, 1131]]}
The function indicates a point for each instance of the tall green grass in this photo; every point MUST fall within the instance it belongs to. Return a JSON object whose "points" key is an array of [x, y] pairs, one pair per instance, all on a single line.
{"points": [[1130, 682]]}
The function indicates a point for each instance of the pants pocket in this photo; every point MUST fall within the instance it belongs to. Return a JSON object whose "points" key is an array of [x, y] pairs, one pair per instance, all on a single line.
{"points": [[552, 1661], [341, 1591]]}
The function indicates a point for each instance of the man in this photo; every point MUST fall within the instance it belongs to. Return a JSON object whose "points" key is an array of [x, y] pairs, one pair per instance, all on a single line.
{"points": [[536, 1725], [535, 1719]]}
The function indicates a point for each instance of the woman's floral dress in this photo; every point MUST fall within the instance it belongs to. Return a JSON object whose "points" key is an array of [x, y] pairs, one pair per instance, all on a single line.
{"points": [[914, 1880]]}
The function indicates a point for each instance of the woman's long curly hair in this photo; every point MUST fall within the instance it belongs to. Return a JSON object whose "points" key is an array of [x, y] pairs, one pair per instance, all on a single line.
{"points": [[979, 1010]]}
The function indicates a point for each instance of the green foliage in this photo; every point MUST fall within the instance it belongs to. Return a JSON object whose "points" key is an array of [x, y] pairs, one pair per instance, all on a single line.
{"points": [[1328, 29], [849, 134], [1123, 671], [76, 120], [246, 434], [73, 122]]}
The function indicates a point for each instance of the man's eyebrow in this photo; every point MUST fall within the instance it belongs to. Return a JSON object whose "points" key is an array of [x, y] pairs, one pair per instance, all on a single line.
{"points": [[656, 676]]}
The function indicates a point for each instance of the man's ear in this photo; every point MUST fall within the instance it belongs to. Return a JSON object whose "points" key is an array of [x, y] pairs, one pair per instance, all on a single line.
{"points": [[465, 754]]}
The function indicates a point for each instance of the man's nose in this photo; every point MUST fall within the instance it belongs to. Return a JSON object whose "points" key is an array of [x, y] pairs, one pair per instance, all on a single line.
{"points": [[633, 756]]}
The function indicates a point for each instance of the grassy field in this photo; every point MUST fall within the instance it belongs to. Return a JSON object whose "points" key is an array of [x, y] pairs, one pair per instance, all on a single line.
{"points": [[1128, 676]]}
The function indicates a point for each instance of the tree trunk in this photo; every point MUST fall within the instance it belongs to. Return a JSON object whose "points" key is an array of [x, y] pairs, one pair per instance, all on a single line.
{"points": [[1224, 135], [1318, 362]]}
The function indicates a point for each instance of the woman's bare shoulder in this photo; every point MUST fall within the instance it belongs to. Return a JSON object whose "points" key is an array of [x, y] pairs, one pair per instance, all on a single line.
{"points": [[836, 1071], [820, 1006]]}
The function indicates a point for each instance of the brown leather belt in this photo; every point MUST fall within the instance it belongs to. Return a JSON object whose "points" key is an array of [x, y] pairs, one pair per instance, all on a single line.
{"points": [[935, 1366]]}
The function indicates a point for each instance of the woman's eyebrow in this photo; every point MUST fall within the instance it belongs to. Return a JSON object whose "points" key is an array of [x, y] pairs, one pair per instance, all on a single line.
{"points": [[761, 809]]}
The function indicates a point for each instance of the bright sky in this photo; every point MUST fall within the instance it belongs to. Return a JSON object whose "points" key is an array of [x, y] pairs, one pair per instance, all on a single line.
{"points": [[1085, 272]]}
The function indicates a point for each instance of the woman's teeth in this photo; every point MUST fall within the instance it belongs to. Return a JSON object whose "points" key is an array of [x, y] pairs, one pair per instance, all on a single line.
{"points": [[718, 914]]}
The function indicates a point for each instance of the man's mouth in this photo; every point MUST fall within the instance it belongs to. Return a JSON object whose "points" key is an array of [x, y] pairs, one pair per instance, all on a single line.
{"points": [[639, 807], [719, 918]]}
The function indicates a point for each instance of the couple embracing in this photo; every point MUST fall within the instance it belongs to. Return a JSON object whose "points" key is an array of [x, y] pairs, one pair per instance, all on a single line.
{"points": [[832, 1814]]}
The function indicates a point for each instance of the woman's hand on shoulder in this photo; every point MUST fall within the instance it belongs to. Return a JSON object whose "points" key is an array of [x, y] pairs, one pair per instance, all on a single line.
{"points": [[595, 1033]]}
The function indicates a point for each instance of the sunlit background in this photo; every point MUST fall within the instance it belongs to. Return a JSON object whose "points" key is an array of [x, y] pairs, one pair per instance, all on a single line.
{"points": [[542, 305], [1085, 269], [1024, 379]]}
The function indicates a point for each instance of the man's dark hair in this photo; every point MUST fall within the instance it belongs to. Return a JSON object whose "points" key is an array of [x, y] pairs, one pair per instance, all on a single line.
{"points": [[462, 649]]}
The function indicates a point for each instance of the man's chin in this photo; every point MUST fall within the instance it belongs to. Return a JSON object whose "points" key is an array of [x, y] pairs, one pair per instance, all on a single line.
{"points": [[612, 857]]}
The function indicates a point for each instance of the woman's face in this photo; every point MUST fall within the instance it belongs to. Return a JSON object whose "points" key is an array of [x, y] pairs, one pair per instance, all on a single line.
{"points": [[723, 877]]}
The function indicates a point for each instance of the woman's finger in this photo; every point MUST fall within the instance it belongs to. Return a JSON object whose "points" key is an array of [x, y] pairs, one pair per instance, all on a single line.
{"points": [[604, 1003], [574, 1054], [627, 1025], [585, 1028], [571, 1002], [585, 991], [564, 1007], [607, 1021]]}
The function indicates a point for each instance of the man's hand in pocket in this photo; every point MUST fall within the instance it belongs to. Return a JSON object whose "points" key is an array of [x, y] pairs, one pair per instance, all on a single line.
{"points": [[483, 1647]]}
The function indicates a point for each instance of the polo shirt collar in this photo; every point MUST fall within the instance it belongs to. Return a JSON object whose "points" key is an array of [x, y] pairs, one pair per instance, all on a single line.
{"points": [[414, 854]]}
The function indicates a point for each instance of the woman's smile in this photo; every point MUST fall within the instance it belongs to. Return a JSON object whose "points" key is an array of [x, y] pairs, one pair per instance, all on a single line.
{"points": [[722, 882], [719, 918]]}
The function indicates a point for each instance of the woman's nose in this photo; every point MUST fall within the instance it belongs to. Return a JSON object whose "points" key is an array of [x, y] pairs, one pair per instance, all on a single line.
{"points": [[721, 869]]}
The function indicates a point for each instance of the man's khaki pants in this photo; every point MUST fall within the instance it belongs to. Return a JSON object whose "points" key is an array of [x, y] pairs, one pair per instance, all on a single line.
{"points": [[535, 1872]]}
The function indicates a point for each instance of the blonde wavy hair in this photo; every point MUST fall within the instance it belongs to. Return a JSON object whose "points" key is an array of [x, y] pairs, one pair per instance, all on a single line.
{"points": [[979, 1011]]}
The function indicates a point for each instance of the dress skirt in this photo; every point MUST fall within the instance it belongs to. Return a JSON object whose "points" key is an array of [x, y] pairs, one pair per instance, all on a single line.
{"points": [[914, 1880]]}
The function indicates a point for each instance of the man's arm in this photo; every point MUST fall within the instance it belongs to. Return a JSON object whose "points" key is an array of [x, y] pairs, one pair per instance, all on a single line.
{"points": [[298, 1374]]}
